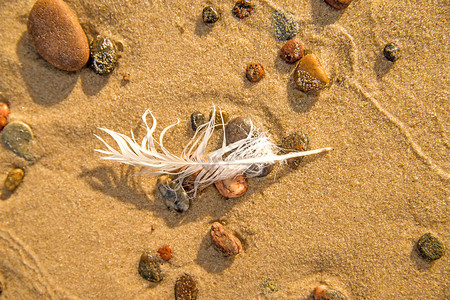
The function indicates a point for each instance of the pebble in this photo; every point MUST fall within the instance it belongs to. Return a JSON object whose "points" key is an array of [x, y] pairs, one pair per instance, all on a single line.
{"points": [[309, 74], [177, 200], [17, 137], [224, 241], [220, 117], [284, 24], [296, 141], [323, 292], [339, 4], [292, 51], [13, 179], [254, 72], [197, 119], [233, 187], [210, 15], [391, 52], [4, 113], [271, 285], [186, 288], [243, 9], [103, 55], [149, 268], [165, 253], [57, 35], [430, 247], [238, 129]]}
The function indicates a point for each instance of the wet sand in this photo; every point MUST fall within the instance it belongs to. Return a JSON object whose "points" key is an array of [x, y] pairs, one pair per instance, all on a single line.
{"points": [[77, 225]]}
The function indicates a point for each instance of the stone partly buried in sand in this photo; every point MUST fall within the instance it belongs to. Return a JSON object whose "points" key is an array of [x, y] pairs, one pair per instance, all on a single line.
{"points": [[232, 187], [309, 74], [57, 35], [149, 268], [243, 9], [17, 137], [4, 113], [285, 25], [224, 241], [339, 4], [323, 292], [296, 141], [186, 288], [174, 198], [13, 179], [430, 247], [103, 55]]}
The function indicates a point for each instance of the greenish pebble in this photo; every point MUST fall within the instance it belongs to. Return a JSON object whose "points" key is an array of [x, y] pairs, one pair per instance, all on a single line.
{"points": [[13, 179], [149, 268], [174, 197], [296, 141], [271, 285], [186, 288], [17, 137], [103, 55], [430, 247], [197, 119], [220, 117], [284, 24]]}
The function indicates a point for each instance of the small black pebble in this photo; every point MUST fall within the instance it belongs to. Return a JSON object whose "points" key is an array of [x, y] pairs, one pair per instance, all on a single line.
{"points": [[210, 15], [149, 268], [391, 52], [197, 119], [430, 247]]}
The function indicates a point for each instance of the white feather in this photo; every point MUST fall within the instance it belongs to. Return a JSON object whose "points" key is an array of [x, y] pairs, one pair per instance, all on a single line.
{"points": [[251, 154]]}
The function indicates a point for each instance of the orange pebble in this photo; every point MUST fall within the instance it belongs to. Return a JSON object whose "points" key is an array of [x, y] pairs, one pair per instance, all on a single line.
{"points": [[4, 113], [165, 253], [323, 292]]}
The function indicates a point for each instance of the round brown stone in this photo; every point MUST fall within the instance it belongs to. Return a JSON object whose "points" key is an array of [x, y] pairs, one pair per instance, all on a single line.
{"points": [[339, 4], [224, 241], [57, 35], [292, 51], [233, 187]]}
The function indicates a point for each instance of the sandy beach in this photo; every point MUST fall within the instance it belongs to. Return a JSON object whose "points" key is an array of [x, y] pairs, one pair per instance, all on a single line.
{"points": [[77, 225]]}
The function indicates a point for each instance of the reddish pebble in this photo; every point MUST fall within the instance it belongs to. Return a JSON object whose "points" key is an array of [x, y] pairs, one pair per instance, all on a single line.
{"points": [[292, 51], [232, 188], [322, 292], [254, 72], [224, 241], [339, 4], [165, 253], [4, 113], [57, 35], [243, 9]]}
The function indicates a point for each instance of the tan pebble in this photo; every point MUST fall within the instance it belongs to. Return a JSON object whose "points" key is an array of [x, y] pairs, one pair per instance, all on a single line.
{"points": [[57, 35], [339, 4], [323, 292], [4, 113], [13, 179], [224, 241], [309, 74], [232, 188]]}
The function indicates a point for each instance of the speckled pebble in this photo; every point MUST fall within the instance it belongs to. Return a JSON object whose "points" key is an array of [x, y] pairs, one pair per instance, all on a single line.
{"points": [[233, 187], [17, 137], [224, 241], [220, 117], [271, 285], [4, 113], [103, 55], [210, 15], [309, 74], [165, 253], [197, 119], [430, 247], [186, 288], [339, 4], [254, 72], [292, 51], [13, 179], [296, 141], [243, 9], [284, 25], [57, 35], [149, 268], [175, 199], [391, 52], [323, 292]]}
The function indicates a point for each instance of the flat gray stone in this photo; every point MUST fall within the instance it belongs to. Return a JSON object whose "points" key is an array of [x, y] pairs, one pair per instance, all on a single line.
{"points": [[17, 137], [284, 25]]}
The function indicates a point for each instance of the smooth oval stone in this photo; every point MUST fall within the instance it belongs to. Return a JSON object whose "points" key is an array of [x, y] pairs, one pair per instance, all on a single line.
{"points": [[13, 179], [17, 137], [224, 241], [57, 35], [149, 268], [186, 288]]}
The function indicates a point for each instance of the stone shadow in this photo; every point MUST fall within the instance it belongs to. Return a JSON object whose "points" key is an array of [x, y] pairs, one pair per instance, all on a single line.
{"points": [[324, 14], [382, 65], [418, 261]]}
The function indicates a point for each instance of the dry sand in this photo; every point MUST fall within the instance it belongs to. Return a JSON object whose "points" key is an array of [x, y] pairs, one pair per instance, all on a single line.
{"points": [[77, 225]]}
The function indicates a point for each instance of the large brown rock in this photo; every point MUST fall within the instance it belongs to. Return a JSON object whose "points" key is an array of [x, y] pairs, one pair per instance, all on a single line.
{"points": [[57, 35]]}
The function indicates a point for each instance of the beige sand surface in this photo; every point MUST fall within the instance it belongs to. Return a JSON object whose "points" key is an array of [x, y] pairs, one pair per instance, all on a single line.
{"points": [[77, 225]]}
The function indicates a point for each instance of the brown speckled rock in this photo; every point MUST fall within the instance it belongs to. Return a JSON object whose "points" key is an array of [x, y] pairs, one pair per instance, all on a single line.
{"points": [[309, 74], [57, 35], [339, 4], [224, 241]]}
